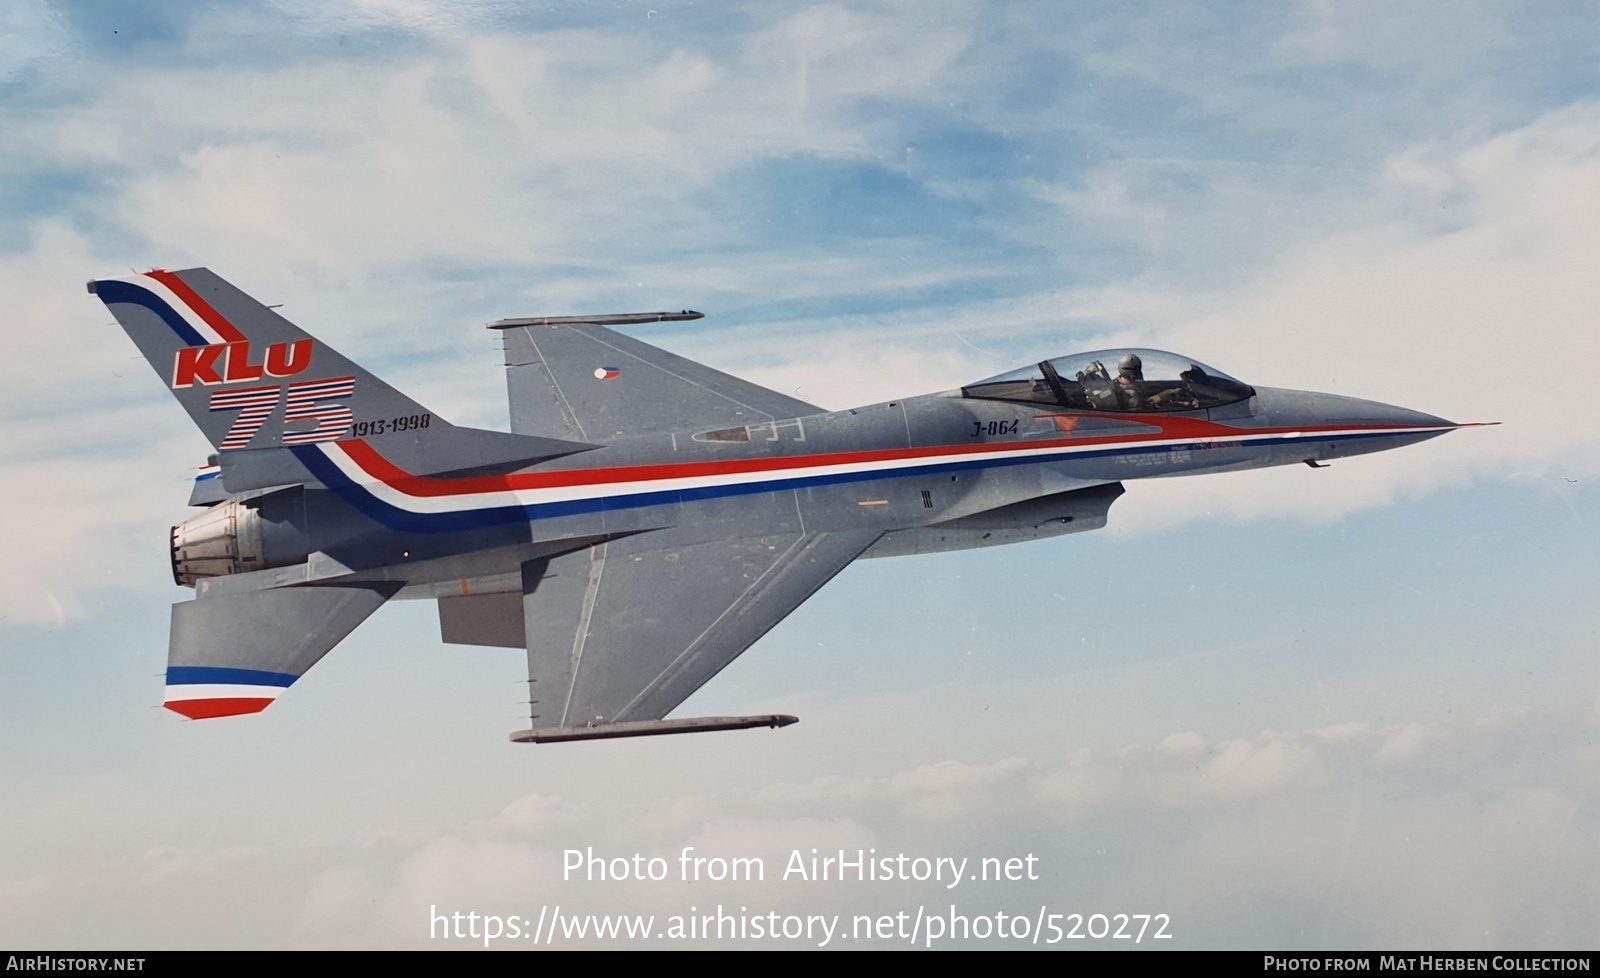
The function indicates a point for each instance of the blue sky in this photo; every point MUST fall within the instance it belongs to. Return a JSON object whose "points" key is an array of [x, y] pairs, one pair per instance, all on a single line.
{"points": [[1355, 707]]}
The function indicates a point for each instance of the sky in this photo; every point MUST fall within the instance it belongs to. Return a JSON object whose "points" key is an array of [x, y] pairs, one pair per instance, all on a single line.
{"points": [[1348, 708]]}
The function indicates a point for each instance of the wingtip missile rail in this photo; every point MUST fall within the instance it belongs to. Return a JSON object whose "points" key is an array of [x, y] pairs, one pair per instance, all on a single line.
{"points": [[650, 728], [612, 319]]}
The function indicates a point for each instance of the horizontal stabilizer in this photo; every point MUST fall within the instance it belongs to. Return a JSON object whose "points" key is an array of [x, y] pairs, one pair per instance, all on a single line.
{"points": [[235, 653], [208, 489]]}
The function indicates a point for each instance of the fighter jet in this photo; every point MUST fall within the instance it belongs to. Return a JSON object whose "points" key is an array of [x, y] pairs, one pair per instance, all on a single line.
{"points": [[647, 518]]}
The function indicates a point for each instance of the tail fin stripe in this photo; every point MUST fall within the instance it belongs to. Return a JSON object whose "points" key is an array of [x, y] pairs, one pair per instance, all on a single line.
{"points": [[189, 297], [209, 675], [178, 305], [116, 290]]}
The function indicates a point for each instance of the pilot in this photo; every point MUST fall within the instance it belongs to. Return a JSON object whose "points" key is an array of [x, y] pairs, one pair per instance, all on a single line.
{"points": [[1130, 375]]}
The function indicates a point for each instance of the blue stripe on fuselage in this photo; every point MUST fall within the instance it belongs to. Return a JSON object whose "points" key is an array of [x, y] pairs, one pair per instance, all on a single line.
{"points": [[396, 518]]}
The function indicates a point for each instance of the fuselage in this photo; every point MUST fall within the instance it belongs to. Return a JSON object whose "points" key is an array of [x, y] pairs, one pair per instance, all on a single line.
{"points": [[932, 472]]}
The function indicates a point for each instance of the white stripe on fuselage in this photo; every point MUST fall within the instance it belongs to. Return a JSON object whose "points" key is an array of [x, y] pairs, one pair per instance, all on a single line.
{"points": [[461, 502]]}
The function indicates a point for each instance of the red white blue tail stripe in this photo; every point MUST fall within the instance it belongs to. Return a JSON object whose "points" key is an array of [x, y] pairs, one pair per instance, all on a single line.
{"points": [[204, 692], [165, 294]]}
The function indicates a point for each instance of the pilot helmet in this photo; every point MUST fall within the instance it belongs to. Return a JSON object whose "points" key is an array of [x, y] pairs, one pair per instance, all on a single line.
{"points": [[1130, 365]]}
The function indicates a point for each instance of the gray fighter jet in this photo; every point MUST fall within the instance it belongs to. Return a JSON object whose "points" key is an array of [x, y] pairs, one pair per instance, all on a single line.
{"points": [[647, 518]]}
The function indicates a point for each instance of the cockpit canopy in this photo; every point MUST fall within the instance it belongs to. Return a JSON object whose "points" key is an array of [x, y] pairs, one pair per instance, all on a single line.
{"points": [[1130, 380]]}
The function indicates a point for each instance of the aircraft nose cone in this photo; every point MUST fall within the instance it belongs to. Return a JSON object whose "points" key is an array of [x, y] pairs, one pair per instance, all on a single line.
{"points": [[1291, 408], [1352, 410], [1353, 426]]}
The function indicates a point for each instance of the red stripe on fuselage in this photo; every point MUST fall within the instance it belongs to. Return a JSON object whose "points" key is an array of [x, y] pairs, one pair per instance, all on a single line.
{"points": [[380, 468], [202, 308]]}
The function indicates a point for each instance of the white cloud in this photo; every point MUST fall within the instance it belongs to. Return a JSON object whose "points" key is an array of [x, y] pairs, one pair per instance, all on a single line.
{"points": [[16, 891], [169, 863], [1403, 745], [461, 875], [1110, 204], [536, 814], [1354, 732], [30, 31], [1242, 769], [378, 195], [951, 790], [1188, 744], [335, 896], [1465, 323]]}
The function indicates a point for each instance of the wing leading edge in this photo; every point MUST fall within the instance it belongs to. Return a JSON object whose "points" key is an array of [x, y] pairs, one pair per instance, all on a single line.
{"points": [[621, 633]]}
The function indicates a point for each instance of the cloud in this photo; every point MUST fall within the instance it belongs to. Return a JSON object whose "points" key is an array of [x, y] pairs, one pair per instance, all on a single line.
{"points": [[536, 814], [1354, 732], [1188, 744], [873, 199], [1403, 745], [1247, 770], [950, 790], [461, 874], [170, 863], [333, 185], [1304, 820], [1286, 837], [30, 31], [335, 896], [15, 891], [1453, 321], [564, 148]]}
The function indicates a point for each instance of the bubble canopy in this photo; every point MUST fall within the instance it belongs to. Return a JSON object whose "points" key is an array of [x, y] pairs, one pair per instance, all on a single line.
{"points": [[1127, 380]]}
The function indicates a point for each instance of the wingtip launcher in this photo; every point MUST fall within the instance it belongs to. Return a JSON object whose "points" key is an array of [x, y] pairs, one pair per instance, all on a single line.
{"points": [[614, 319], [650, 728]]}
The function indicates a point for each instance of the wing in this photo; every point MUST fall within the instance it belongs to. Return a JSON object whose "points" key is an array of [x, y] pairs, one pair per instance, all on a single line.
{"points": [[625, 631], [581, 380]]}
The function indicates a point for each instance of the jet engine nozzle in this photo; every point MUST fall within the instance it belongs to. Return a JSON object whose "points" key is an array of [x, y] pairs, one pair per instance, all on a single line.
{"points": [[225, 539]]}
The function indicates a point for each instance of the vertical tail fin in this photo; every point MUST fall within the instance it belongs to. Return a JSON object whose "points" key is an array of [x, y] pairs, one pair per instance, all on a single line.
{"points": [[248, 377]]}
